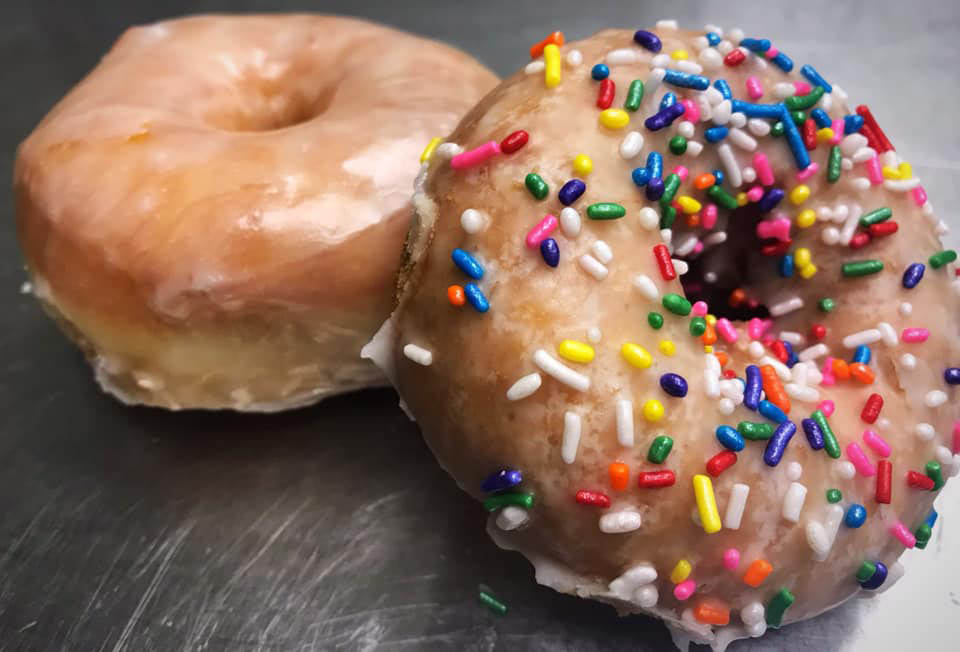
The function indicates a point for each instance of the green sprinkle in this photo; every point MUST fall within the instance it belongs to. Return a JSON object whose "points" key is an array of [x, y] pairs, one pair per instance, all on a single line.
{"points": [[536, 185], [935, 473], [605, 211], [777, 129], [826, 304], [755, 431], [671, 183], [678, 145], [676, 304], [634, 95], [830, 443], [866, 571], [698, 326], [923, 534], [804, 102], [779, 603], [834, 496], [861, 268], [941, 258], [492, 603], [834, 163], [875, 217], [659, 449], [655, 319], [798, 117], [668, 215], [722, 197], [517, 498]]}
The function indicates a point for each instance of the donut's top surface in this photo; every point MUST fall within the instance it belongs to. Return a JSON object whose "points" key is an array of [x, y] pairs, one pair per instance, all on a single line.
{"points": [[791, 216]]}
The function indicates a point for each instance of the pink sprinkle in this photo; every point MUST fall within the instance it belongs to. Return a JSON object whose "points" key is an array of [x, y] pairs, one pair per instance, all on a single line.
{"points": [[754, 88], [802, 87], [755, 328], [913, 335], [691, 111], [731, 558], [808, 172], [726, 330], [709, 217], [684, 590], [874, 172], [698, 248], [539, 233], [768, 340], [827, 407], [876, 443], [837, 128], [956, 437], [919, 195], [863, 465], [681, 172], [475, 156], [900, 531], [778, 227], [772, 52], [700, 308], [755, 193], [764, 172], [828, 377]]}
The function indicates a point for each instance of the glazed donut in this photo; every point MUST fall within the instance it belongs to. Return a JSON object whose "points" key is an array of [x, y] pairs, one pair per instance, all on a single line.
{"points": [[660, 318], [215, 214]]}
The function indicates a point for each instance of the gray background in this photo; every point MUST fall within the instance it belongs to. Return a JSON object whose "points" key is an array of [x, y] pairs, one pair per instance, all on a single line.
{"points": [[331, 527]]}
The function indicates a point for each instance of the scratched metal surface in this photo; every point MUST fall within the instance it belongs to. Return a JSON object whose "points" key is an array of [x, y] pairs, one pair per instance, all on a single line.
{"points": [[331, 527]]}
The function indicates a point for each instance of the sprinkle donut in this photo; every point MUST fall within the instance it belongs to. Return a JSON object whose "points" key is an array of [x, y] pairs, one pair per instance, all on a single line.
{"points": [[698, 354]]}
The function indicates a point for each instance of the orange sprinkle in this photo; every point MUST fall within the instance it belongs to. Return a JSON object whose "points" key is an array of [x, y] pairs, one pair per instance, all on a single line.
{"points": [[710, 335], [693, 221], [536, 50], [757, 572], [737, 297], [456, 296], [840, 369], [862, 372], [704, 181], [619, 475], [774, 388], [712, 611], [722, 357]]}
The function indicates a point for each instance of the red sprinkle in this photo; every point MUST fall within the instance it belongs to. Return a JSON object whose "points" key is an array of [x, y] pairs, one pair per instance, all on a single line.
{"points": [[605, 94], [729, 374], [869, 122], [594, 498], [884, 481], [818, 331], [956, 437], [871, 409], [777, 249], [662, 254], [883, 228], [920, 481], [860, 240], [514, 141], [810, 134], [735, 57], [656, 479], [780, 350], [721, 462]]}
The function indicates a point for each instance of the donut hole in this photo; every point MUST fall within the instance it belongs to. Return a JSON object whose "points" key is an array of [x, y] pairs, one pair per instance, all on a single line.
{"points": [[272, 104]]}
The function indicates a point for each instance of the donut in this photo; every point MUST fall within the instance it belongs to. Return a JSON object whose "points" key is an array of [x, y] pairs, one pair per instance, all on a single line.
{"points": [[680, 317], [216, 213]]}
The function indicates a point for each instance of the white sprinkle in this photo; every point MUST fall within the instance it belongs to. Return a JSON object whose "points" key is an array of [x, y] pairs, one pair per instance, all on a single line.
{"points": [[845, 470], [726, 406], [667, 24], [725, 47], [688, 66], [752, 614], [511, 517], [799, 372], [786, 306], [850, 225], [818, 540], [624, 411], [730, 165], [703, 103], [418, 354], [944, 456], [860, 183], [710, 276], [649, 219], [738, 120], [654, 81], [735, 506], [646, 286], [446, 151], [783, 371], [713, 96], [901, 185], [802, 393], [662, 60], [571, 437], [602, 252], [890, 159], [710, 58], [646, 597], [840, 93], [715, 238], [758, 127], [632, 579], [534, 67], [686, 129], [680, 266], [894, 572], [925, 431], [631, 145], [830, 235], [570, 222], [941, 229], [26, 287], [732, 389], [863, 155], [927, 208], [622, 56], [694, 148], [831, 525], [888, 334], [749, 174], [868, 336], [851, 144], [783, 90], [593, 267], [524, 387], [935, 398], [793, 502], [553, 367], [908, 361], [701, 42], [574, 58], [846, 164], [686, 246], [794, 471], [472, 220], [594, 334], [721, 112], [735, 35], [826, 102], [792, 337], [711, 376], [620, 522], [757, 630], [710, 27], [814, 377], [883, 423], [755, 349]]}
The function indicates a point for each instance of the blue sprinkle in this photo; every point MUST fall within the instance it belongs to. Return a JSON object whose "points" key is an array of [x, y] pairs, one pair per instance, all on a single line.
{"points": [[475, 297], [778, 443], [913, 275], [814, 435], [951, 375], [800, 155], [467, 264], [783, 62], [669, 99], [821, 118], [674, 385], [856, 515], [718, 176], [724, 88], [600, 71], [862, 354], [760, 45], [770, 411], [500, 480], [716, 134], [792, 358], [571, 191], [550, 252], [647, 40], [877, 579], [751, 110], [664, 117], [852, 124], [770, 199], [641, 176], [654, 189], [786, 266], [713, 38], [655, 165], [751, 391], [686, 80], [932, 518], [814, 77], [730, 439]]}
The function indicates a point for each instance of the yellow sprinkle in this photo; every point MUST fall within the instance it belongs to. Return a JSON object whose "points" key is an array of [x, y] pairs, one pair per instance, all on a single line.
{"points": [[742, 199], [824, 135], [808, 270], [614, 118], [679, 55], [681, 571], [582, 165], [667, 347], [636, 355], [711, 319], [551, 60], [890, 173], [140, 135], [906, 171], [707, 348], [806, 219], [706, 503], [801, 257], [575, 351], [653, 410], [688, 204], [799, 194], [429, 149]]}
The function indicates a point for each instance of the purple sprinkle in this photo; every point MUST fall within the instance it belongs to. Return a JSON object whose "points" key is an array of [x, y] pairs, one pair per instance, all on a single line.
{"points": [[647, 40]]}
